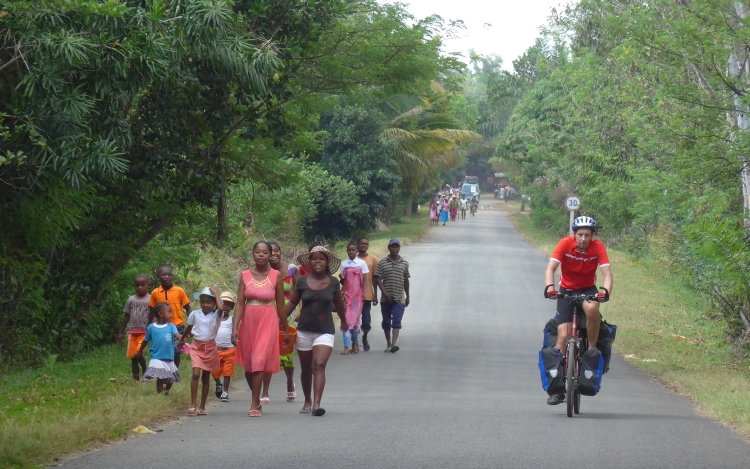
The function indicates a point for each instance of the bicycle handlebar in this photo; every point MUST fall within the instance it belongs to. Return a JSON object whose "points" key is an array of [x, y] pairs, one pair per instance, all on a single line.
{"points": [[566, 295]]}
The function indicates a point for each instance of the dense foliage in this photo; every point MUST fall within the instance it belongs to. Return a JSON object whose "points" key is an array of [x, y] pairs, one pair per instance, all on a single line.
{"points": [[640, 110], [133, 131]]}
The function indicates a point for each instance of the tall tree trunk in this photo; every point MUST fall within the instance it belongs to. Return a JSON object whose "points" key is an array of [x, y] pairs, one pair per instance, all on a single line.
{"points": [[221, 216], [738, 65]]}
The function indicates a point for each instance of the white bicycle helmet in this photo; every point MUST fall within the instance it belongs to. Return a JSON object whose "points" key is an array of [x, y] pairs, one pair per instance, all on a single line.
{"points": [[584, 222]]}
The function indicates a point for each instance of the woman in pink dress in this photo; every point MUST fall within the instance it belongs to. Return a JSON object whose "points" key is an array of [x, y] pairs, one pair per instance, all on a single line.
{"points": [[256, 322], [433, 212]]}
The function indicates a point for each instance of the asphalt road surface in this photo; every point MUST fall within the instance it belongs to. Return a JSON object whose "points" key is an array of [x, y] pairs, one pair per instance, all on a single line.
{"points": [[463, 392]]}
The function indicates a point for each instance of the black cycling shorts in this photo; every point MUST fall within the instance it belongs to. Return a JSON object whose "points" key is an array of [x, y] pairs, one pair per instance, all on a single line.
{"points": [[566, 307]]}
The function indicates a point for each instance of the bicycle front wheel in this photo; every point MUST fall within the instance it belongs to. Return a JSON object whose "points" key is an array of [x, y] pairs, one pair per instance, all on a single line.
{"points": [[577, 402], [570, 392]]}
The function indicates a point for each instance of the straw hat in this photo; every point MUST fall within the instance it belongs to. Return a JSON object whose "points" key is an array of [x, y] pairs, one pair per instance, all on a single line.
{"points": [[227, 296], [333, 262]]}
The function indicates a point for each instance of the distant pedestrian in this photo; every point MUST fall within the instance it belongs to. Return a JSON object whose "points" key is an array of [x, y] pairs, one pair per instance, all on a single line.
{"points": [[444, 213], [506, 194], [392, 277], [203, 324], [433, 212], [163, 336], [135, 317], [463, 205], [501, 192], [319, 292], [260, 310], [226, 348], [371, 296], [454, 207], [178, 300], [353, 271]]}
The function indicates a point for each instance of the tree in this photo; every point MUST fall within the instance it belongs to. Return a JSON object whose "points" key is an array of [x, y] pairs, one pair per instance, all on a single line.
{"points": [[427, 137], [118, 112], [356, 151]]}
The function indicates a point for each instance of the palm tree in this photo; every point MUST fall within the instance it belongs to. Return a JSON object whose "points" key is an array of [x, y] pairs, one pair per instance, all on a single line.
{"points": [[426, 137]]}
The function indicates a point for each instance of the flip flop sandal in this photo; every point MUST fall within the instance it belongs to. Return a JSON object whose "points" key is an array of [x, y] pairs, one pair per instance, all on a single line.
{"points": [[305, 410], [366, 345], [345, 352], [192, 411], [291, 395], [387, 350], [319, 412], [395, 349], [265, 400], [202, 412], [254, 413]]}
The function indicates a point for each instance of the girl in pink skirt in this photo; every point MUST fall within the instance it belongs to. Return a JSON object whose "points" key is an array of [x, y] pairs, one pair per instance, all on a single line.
{"points": [[203, 324]]}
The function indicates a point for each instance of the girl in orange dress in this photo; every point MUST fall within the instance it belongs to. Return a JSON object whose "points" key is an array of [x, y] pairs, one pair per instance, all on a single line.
{"points": [[260, 306]]}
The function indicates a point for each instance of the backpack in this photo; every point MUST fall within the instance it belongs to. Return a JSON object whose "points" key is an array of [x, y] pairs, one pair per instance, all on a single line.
{"points": [[607, 334], [591, 368], [550, 333], [551, 370]]}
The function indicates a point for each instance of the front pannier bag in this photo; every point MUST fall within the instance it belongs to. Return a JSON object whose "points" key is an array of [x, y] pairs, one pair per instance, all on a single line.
{"points": [[591, 367]]}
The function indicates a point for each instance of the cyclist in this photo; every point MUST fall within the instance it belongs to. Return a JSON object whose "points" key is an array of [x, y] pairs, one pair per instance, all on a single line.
{"points": [[578, 257]]}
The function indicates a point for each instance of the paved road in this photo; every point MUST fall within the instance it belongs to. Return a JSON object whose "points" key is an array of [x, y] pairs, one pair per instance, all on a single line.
{"points": [[463, 391]]}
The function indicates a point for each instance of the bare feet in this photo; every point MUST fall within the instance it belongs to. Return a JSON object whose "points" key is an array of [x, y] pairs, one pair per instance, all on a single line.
{"points": [[355, 348], [345, 352]]}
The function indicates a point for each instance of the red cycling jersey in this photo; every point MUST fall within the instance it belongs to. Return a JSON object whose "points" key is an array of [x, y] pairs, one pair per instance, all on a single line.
{"points": [[579, 268]]}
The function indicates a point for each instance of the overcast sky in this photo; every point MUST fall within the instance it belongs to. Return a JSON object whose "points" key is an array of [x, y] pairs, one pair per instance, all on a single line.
{"points": [[514, 23]]}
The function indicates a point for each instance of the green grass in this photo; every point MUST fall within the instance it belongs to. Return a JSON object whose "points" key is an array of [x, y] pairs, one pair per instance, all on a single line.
{"points": [[68, 406], [408, 230], [63, 407], [665, 329]]}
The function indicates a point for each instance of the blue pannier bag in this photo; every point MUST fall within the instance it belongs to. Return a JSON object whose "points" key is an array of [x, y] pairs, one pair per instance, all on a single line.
{"points": [[551, 370], [591, 368], [607, 334]]}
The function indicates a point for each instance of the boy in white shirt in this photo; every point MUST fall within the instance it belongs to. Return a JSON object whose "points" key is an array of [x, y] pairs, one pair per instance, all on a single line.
{"points": [[225, 347]]}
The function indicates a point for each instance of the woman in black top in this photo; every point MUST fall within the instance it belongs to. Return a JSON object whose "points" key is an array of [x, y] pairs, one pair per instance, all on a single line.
{"points": [[319, 291]]}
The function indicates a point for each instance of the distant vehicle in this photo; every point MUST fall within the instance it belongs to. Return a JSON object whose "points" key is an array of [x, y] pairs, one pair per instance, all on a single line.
{"points": [[471, 180], [469, 190]]}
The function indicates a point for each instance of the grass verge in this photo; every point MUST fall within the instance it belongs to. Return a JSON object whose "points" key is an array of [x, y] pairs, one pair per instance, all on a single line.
{"points": [[63, 407], [68, 406], [408, 230], [665, 330]]}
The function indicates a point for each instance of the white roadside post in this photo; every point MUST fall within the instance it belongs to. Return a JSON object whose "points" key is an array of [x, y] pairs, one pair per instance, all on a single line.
{"points": [[572, 203]]}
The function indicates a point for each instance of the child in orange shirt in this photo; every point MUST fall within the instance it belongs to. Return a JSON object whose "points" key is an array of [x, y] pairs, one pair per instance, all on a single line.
{"points": [[136, 313], [170, 293]]}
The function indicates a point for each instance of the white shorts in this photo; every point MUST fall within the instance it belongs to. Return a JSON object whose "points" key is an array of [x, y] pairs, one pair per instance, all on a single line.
{"points": [[306, 340]]}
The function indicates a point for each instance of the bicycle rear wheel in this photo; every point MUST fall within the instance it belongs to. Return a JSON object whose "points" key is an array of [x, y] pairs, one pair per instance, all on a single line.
{"points": [[570, 391], [577, 402]]}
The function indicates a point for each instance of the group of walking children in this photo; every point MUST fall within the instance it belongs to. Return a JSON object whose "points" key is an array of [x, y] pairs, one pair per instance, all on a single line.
{"points": [[156, 320], [262, 327]]}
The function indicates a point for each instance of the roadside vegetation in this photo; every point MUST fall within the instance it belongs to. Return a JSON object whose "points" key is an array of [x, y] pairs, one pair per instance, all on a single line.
{"points": [[136, 134], [638, 108], [670, 331]]}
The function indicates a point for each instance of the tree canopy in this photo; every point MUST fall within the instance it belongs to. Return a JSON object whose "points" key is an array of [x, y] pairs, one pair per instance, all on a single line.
{"points": [[132, 130]]}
